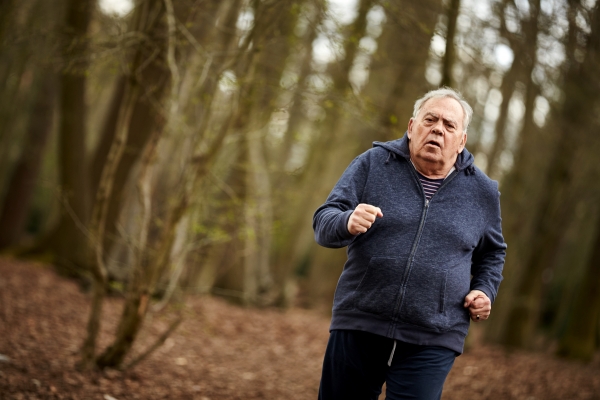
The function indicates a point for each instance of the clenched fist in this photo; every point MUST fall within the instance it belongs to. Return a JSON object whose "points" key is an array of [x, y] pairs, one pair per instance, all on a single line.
{"points": [[362, 218], [479, 305]]}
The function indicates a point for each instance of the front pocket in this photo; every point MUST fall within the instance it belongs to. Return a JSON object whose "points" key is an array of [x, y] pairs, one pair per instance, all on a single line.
{"points": [[379, 287], [434, 295], [443, 292]]}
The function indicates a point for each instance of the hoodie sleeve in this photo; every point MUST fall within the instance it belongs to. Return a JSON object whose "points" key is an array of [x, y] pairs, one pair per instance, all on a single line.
{"points": [[488, 257], [330, 221]]}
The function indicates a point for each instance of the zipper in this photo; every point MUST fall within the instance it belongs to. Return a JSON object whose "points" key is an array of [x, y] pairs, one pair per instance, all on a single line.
{"points": [[413, 250]]}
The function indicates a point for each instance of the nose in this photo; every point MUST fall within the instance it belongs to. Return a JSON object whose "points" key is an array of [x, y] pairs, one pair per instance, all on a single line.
{"points": [[438, 128]]}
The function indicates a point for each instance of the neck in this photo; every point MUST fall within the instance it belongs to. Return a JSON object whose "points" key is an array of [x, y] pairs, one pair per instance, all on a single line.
{"points": [[431, 170]]}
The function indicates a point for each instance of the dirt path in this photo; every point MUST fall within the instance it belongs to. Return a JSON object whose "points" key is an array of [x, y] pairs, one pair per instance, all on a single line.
{"points": [[221, 352]]}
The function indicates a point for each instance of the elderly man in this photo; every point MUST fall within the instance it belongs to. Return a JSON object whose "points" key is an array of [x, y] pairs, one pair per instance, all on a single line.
{"points": [[425, 255]]}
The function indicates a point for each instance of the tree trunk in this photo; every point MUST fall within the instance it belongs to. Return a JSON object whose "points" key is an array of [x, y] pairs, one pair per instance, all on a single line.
{"points": [[521, 68], [70, 242], [581, 337], [16, 60], [295, 239], [260, 76], [15, 208], [134, 311], [555, 207], [107, 135], [98, 223], [283, 180], [258, 280], [449, 56], [521, 191], [508, 87], [150, 266], [277, 38], [152, 77], [139, 289], [149, 19], [221, 256], [227, 258], [396, 78], [580, 340]]}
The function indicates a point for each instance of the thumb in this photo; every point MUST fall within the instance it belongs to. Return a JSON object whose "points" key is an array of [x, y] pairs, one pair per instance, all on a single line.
{"points": [[469, 299], [379, 213]]}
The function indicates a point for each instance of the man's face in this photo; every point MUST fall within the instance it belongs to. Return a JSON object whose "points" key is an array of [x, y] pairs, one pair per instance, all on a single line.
{"points": [[436, 134]]}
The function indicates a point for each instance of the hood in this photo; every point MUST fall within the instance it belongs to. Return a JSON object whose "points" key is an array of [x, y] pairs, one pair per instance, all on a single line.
{"points": [[399, 147]]}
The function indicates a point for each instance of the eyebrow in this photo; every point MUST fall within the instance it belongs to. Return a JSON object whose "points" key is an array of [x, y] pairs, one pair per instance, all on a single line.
{"points": [[444, 119]]}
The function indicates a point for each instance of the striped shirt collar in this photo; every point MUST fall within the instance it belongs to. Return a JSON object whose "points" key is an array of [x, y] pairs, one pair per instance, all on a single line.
{"points": [[447, 175]]}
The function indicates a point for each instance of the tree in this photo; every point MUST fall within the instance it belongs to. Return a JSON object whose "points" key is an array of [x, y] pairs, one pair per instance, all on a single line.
{"points": [[449, 55], [320, 170], [151, 74], [554, 202], [22, 183], [581, 337], [27, 106], [71, 245], [148, 15]]}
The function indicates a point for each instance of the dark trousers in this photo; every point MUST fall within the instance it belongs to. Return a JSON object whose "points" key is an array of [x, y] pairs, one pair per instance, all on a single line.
{"points": [[356, 366]]}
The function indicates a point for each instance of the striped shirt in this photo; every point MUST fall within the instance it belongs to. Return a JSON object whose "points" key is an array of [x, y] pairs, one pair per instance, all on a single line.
{"points": [[430, 186]]}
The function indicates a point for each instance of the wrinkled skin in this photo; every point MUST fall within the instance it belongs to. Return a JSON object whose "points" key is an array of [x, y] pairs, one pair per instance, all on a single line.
{"points": [[437, 136]]}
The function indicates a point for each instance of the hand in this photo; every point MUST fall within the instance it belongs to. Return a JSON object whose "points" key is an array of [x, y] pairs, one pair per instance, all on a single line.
{"points": [[362, 218], [479, 305]]}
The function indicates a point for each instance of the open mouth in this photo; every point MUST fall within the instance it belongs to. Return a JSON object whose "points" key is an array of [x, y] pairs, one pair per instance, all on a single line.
{"points": [[432, 143]]}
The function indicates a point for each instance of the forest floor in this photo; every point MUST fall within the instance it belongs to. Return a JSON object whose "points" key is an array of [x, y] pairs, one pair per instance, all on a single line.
{"points": [[221, 351]]}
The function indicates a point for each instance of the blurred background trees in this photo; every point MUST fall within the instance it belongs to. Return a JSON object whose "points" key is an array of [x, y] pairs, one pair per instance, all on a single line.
{"points": [[160, 147]]}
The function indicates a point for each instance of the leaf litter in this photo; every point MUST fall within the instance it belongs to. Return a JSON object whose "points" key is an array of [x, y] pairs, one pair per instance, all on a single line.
{"points": [[221, 351]]}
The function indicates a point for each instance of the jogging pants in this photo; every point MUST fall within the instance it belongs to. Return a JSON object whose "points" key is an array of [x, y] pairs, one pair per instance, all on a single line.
{"points": [[357, 364]]}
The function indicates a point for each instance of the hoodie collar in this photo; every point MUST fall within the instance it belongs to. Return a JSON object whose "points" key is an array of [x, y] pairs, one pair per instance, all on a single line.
{"points": [[400, 147]]}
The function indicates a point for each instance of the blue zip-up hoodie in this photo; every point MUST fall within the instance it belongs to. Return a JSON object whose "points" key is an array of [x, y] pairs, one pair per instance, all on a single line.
{"points": [[406, 278]]}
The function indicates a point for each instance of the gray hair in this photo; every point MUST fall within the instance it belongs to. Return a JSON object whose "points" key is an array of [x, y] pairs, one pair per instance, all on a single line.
{"points": [[446, 92]]}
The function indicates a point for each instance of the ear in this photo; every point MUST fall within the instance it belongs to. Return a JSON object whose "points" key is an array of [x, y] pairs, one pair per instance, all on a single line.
{"points": [[463, 142], [410, 125]]}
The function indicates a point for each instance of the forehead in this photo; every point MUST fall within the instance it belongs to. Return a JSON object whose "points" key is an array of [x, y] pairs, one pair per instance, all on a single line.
{"points": [[445, 107]]}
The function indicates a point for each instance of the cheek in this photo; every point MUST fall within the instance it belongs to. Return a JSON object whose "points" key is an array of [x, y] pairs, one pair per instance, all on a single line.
{"points": [[457, 144]]}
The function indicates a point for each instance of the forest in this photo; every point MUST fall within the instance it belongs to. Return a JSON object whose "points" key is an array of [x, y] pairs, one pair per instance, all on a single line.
{"points": [[156, 151]]}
